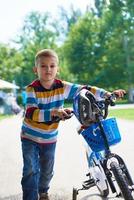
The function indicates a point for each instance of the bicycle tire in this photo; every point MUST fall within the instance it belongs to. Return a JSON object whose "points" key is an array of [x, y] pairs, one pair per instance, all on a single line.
{"points": [[75, 193], [121, 181]]}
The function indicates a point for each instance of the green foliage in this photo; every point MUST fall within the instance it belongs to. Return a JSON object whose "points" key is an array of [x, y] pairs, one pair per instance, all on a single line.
{"points": [[101, 49], [99, 7], [68, 18], [37, 34], [78, 49], [19, 99], [95, 48], [10, 63]]}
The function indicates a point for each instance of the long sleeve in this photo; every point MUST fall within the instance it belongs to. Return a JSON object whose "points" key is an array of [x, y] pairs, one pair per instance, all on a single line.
{"points": [[71, 89], [98, 92], [33, 112]]}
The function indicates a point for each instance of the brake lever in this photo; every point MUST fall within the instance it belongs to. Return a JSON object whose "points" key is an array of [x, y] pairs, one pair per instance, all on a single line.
{"points": [[111, 100]]}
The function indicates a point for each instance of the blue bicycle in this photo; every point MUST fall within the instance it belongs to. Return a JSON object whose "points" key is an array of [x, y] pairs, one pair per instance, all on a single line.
{"points": [[107, 170]]}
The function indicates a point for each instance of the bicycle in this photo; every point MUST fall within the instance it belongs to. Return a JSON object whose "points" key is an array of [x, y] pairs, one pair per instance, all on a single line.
{"points": [[107, 170]]}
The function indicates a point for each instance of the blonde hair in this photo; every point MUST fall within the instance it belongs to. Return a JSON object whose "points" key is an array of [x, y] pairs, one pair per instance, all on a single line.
{"points": [[46, 53]]}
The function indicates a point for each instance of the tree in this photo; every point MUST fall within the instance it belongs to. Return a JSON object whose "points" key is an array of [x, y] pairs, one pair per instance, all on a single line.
{"points": [[10, 60], [95, 48], [69, 18], [79, 48], [37, 33], [99, 7]]}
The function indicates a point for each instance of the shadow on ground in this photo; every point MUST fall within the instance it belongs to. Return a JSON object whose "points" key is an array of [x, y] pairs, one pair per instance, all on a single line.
{"points": [[53, 197], [13, 197], [61, 196]]}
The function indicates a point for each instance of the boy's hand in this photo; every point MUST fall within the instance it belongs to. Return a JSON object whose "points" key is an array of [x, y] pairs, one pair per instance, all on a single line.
{"points": [[62, 113], [120, 93]]}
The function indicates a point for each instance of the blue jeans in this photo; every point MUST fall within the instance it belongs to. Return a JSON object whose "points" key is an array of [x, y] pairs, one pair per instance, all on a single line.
{"points": [[38, 166]]}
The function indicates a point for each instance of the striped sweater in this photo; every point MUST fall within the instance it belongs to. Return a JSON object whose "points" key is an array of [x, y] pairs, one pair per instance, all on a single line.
{"points": [[37, 125]]}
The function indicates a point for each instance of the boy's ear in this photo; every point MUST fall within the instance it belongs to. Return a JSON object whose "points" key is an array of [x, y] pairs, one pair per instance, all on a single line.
{"points": [[35, 70], [58, 70]]}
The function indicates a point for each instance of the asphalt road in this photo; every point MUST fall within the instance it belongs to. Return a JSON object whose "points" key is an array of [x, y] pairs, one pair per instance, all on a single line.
{"points": [[70, 165]]}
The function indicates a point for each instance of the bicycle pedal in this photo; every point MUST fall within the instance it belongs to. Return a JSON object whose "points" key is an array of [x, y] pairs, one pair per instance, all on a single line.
{"points": [[88, 183]]}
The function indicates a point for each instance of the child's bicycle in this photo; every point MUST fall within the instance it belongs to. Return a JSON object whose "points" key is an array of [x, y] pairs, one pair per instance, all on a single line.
{"points": [[107, 170]]}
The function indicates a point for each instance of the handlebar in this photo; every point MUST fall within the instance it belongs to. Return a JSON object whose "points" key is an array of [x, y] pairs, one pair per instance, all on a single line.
{"points": [[100, 111], [104, 104], [109, 102]]}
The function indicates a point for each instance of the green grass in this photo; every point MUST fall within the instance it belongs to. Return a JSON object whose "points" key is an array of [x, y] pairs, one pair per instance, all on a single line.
{"points": [[4, 116], [119, 113], [122, 113]]}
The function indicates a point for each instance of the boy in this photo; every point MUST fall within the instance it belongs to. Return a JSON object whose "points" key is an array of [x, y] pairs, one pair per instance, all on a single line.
{"points": [[45, 99]]}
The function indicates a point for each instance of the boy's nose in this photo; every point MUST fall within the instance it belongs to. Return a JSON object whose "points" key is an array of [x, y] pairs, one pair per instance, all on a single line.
{"points": [[48, 68]]}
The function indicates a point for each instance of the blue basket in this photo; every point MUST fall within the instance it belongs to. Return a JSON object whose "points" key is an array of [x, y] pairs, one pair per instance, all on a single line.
{"points": [[93, 136]]}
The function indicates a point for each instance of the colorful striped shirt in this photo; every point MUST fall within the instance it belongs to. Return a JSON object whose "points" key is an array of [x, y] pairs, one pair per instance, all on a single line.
{"points": [[38, 125]]}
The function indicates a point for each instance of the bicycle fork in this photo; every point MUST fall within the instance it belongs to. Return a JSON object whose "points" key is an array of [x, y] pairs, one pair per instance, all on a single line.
{"points": [[123, 167]]}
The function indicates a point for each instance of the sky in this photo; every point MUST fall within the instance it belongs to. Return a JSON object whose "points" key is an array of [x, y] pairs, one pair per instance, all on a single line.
{"points": [[13, 12]]}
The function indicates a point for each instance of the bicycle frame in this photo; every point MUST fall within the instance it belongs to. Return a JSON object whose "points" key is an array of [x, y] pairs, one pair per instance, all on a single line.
{"points": [[107, 157], [104, 166]]}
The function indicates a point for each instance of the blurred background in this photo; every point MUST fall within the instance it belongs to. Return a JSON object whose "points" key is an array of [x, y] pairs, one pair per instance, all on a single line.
{"points": [[94, 40], [95, 43]]}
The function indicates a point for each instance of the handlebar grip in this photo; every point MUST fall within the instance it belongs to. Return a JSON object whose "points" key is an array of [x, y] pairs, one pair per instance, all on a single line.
{"points": [[57, 119], [111, 99]]}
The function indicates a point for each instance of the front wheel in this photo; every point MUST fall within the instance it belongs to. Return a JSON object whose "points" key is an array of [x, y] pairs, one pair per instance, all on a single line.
{"points": [[121, 181]]}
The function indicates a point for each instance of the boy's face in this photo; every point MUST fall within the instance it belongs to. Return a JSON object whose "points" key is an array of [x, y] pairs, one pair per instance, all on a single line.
{"points": [[46, 68]]}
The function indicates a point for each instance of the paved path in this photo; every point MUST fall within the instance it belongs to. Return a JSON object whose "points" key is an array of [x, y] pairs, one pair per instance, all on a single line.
{"points": [[70, 166]]}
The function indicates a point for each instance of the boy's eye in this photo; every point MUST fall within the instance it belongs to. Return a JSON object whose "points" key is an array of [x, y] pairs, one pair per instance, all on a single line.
{"points": [[52, 66], [45, 66]]}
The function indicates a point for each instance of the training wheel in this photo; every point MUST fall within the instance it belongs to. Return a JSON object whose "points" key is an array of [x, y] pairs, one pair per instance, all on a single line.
{"points": [[75, 193]]}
